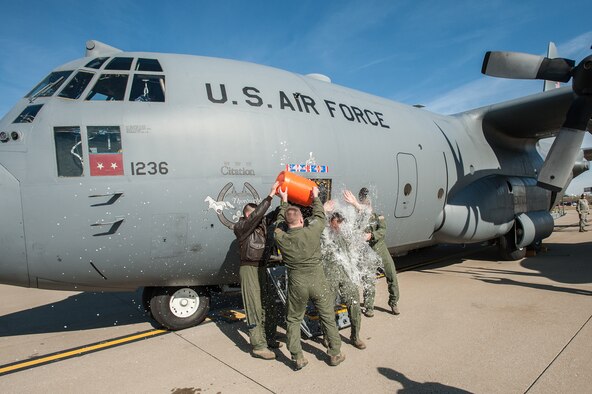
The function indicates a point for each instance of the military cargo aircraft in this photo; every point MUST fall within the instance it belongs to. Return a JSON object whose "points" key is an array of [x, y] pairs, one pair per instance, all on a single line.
{"points": [[126, 170]]}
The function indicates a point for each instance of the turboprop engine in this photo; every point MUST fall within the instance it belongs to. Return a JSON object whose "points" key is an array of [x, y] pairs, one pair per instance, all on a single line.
{"points": [[558, 164], [491, 207]]}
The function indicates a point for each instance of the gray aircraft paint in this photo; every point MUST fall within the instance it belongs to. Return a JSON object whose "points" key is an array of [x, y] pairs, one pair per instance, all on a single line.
{"points": [[224, 132]]}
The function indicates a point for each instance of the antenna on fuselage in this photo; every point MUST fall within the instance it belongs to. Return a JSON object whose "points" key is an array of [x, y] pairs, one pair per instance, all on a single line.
{"points": [[97, 48]]}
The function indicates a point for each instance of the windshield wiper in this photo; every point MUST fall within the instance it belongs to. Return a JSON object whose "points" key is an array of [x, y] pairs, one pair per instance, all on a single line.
{"points": [[45, 89]]}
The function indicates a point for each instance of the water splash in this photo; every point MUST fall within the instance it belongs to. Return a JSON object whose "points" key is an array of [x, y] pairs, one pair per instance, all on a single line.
{"points": [[285, 155], [346, 252]]}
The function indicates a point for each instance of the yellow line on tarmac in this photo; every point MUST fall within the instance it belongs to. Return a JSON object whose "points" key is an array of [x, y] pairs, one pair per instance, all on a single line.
{"points": [[78, 351]]}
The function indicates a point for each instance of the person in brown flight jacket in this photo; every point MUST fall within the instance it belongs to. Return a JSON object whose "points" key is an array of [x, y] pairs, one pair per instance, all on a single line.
{"points": [[251, 232]]}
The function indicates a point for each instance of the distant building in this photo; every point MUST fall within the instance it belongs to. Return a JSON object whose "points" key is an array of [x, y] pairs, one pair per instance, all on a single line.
{"points": [[588, 190]]}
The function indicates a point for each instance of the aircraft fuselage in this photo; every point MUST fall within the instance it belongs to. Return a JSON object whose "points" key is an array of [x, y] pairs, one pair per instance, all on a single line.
{"points": [[128, 192]]}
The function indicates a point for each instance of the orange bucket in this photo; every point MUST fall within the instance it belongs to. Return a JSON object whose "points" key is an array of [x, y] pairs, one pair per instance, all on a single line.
{"points": [[299, 188]]}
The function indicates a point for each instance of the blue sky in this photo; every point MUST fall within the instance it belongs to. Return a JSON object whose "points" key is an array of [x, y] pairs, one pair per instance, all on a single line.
{"points": [[417, 52]]}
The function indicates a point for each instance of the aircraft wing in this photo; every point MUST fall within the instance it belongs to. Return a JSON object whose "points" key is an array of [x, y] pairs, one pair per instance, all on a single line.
{"points": [[536, 116]]}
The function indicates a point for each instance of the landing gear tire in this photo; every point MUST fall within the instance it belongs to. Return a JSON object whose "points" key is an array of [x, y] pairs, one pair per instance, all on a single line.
{"points": [[508, 250], [176, 308]]}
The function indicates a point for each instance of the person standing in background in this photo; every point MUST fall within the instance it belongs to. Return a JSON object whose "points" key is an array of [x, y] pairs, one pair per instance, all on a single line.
{"points": [[582, 208]]}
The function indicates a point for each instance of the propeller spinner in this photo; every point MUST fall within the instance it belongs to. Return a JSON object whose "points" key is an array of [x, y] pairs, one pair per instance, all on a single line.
{"points": [[558, 164]]}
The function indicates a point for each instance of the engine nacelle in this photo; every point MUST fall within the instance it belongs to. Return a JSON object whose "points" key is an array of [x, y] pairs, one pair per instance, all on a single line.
{"points": [[489, 208], [533, 226]]}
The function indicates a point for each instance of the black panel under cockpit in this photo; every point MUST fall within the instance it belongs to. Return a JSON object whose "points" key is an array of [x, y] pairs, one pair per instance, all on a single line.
{"points": [[69, 154], [28, 115]]}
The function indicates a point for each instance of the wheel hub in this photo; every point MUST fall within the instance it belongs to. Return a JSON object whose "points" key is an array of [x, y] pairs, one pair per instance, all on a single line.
{"points": [[184, 302]]}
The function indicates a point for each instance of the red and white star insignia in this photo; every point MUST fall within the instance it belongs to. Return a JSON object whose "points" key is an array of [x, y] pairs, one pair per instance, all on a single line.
{"points": [[114, 165], [100, 166]]}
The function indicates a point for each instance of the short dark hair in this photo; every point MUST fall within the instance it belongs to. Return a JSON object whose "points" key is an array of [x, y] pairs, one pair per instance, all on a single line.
{"points": [[249, 205], [363, 194], [293, 215], [337, 216]]}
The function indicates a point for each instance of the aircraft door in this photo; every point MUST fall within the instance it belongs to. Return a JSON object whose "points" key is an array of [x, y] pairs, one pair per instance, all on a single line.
{"points": [[13, 260], [407, 188]]}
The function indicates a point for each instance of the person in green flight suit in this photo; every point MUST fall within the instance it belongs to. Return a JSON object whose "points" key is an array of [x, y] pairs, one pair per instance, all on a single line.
{"points": [[300, 246], [375, 233], [334, 248], [582, 208]]}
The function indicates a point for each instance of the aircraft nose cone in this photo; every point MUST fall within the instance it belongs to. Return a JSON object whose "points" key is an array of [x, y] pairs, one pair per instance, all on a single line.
{"points": [[13, 259]]}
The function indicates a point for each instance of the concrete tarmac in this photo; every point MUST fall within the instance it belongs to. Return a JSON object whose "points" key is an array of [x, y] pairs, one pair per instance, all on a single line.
{"points": [[467, 324]]}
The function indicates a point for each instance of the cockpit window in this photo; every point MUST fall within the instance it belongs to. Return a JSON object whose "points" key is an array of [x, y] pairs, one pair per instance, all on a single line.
{"points": [[96, 63], [105, 155], [148, 88], [120, 63], [69, 155], [28, 114], [49, 85], [104, 139], [76, 86], [109, 87], [148, 65]]}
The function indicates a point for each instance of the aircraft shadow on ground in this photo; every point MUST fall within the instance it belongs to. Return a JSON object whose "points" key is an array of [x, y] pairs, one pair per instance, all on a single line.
{"points": [[573, 267], [563, 263], [86, 311], [411, 386], [81, 311], [445, 255]]}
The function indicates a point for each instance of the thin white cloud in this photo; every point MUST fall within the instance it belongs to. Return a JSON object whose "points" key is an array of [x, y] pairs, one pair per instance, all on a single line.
{"points": [[374, 63], [481, 92], [577, 47], [487, 90], [327, 40]]}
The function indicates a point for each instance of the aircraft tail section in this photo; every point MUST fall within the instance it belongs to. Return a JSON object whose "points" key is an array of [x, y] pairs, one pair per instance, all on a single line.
{"points": [[551, 54]]}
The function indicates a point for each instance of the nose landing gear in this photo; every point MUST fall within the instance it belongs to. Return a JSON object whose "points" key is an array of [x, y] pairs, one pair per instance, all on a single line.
{"points": [[176, 308]]}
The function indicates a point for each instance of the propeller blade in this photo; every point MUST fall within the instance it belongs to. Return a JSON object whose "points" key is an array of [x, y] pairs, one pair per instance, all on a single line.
{"points": [[516, 65], [560, 160], [513, 65]]}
